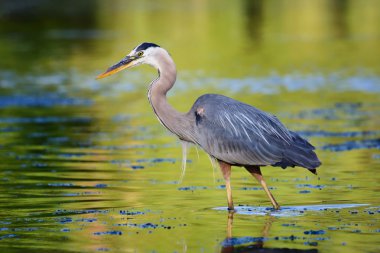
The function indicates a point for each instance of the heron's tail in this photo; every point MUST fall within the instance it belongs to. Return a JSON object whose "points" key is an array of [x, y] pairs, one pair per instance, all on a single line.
{"points": [[300, 153]]}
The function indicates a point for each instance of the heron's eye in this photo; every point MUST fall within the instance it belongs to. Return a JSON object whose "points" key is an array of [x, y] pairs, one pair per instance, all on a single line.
{"points": [[140, 53]]}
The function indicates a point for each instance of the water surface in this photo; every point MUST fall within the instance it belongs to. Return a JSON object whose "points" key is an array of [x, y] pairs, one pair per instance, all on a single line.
{"points": [[86, 167]]}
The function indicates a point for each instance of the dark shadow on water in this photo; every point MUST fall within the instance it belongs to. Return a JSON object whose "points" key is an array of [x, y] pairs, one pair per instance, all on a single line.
{"points": [[256, 16], [253, 10], [30, 29], [339, 19]]}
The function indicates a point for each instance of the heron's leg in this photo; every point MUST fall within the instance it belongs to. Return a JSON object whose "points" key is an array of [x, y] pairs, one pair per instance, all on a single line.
{"points": [[256, 172], [226, 170], [230, 218], [228, 246]]}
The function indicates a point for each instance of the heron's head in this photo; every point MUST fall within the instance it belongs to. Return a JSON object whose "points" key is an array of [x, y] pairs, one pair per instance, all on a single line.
{"points": [[143, 53]]}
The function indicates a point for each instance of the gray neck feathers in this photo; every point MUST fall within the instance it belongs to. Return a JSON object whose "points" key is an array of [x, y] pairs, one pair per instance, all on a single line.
{"points": [[173, 120]]}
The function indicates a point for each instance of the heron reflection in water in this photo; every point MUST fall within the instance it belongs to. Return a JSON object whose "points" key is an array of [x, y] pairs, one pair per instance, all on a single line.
{"points": [[229, 131], [254, 244]]}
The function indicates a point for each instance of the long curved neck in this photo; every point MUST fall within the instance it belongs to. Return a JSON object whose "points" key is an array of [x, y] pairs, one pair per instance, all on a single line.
{"points": [[173, 120]]}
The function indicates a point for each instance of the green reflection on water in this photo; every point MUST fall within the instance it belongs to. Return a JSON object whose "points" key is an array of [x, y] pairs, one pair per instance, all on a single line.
{"points": [[101, 176]]}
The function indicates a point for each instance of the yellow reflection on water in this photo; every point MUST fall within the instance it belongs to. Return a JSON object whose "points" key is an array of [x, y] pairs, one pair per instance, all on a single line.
{"points": [[274, 35]]}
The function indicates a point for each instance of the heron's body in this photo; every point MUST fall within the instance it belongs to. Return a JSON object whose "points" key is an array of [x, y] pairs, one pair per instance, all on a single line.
{"points": [[245, 135], [234, 133]]}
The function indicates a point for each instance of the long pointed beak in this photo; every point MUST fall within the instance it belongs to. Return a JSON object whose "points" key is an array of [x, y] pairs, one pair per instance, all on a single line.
{"points": [[123, 64]]}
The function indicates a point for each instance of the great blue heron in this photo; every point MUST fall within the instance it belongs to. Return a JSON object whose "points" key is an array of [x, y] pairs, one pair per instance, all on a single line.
{"points": [[233, 133]]}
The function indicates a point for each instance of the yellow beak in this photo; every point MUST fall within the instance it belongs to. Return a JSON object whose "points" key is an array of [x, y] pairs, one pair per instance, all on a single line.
{"points": [[123, 64]]}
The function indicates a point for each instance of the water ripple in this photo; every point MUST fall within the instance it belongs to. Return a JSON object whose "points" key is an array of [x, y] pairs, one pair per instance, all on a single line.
{"points": [[47, 100], [351, 145], [288, 211]]}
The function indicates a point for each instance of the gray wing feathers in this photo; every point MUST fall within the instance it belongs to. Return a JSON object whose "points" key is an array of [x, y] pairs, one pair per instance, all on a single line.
{"points": [[247, 122], [238, 133]]}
